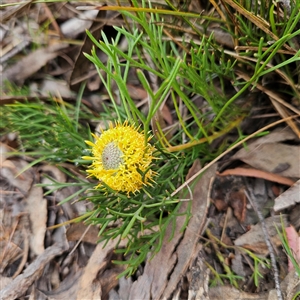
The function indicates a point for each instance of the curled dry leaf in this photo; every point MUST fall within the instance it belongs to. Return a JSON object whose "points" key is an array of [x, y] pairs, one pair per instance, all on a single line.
{"points": [[4, 281], [254, 239], [288, 198], [166, 113], [268, 153], [36, 206], [53, 172], [135, 92], [123, 289], [80, 231], [89, 287], [227, 292], [10, 171], [250, 172], [82, 66], [275, 158], [31, 63], [4, 150], [73, 27], [294, 243], [176, 255], [290, 284], [58, 88]]}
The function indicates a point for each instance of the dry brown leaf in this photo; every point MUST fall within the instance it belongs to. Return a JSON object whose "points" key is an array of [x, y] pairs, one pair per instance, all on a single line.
{"points": [[289, 285], [276, 136], [36, 206], [109, 279], [89, 287], [257, 174], [238, 202], [82, 65], [22, 182], [294, 244], [54, 172], [261, 247], [227, 292], [80, 231], [237, 265], [135, 92], [4, 150], [123, 289], [31, 63], [166, 113], [188, 248], [288, 198], [255, 238], [4, 281], [74, 26], [55, 87], [176, 255], [275, 158]]}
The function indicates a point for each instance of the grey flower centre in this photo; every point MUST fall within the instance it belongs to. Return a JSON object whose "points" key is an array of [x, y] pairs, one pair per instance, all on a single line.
{"points": [[112, 157]]}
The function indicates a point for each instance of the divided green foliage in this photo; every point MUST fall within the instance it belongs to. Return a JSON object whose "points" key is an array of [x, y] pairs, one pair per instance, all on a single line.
{"points": [[158, 63], [48, 130]]}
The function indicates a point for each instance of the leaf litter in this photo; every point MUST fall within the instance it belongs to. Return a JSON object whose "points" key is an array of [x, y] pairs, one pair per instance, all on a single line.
{"points": [[46, 263]]}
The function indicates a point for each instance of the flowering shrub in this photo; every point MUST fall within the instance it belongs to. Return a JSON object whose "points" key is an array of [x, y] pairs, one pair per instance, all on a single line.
{"points": [[121, 158]]}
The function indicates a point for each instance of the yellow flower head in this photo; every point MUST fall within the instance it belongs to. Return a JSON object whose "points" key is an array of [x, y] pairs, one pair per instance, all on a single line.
{"points": [[121, 159]]}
